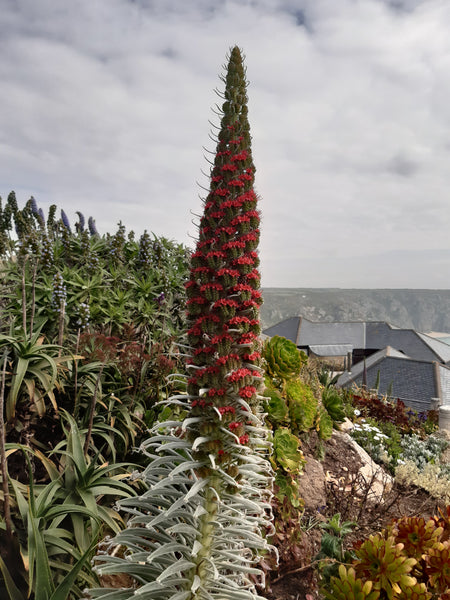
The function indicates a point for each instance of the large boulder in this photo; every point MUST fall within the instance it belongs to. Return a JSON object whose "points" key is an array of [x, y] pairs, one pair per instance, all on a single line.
{"points": [[312, 486]]}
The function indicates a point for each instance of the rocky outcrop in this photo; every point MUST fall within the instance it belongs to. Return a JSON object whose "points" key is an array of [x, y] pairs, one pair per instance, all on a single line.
{"points": [[422, 310]]}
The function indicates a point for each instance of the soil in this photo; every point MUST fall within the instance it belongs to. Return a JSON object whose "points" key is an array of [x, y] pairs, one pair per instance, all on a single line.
{"points": [[296, 577]]}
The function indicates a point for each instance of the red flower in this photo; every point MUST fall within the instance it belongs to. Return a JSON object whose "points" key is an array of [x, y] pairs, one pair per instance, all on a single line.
{"points": [[225, 302], [244, 260], [215, 254], [226, 409], [222, 360], [195, 331], [247, 338], [234, 425], [238, 375], [241, 156], [201, 270], [246, 177], [247, 391], [244, 439], [219, 214], [217, 339], [226, 271], [229, 167], [216, 392], [233, 244], [253, 357], [227, 230], [221, 192]]}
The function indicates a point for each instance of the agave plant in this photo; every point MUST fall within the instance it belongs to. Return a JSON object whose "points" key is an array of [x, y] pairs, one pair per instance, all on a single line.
{"points": [[197, 532], [33, 371], [59, 523]]}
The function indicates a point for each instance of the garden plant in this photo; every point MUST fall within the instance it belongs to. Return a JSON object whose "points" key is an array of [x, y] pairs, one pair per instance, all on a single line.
{"points": [[198, 530]]}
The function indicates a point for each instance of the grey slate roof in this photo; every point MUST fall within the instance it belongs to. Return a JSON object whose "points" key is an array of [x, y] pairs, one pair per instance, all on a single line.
{"points": [[350, 333], [439, 346], [413, 381], [331, 349], [361, 335], [287, 328]]}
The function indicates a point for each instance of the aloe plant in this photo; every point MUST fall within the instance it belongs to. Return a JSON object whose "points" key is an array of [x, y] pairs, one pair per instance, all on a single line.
{"points": [[197, 532]]}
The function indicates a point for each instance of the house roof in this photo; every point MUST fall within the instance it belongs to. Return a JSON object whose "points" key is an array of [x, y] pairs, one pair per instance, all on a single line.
{"points": [[362, 335], [413, 381], [331, 349], [287, 329], [439, 346]]}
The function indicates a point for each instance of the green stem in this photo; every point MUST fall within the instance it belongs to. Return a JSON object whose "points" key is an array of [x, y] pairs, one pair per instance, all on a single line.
{"points": [[4, 465], [92, 411], [206, 534]]}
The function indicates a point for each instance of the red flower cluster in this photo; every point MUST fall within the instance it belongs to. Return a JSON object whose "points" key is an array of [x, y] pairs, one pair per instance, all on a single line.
{"points": [[248, 391], [234, 425], [238, 375], [223, 296], [226, 409], [213, 392]]}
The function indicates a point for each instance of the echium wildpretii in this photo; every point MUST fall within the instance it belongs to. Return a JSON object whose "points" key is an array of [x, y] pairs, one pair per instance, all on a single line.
{"points": [[223, 290], [196, 532]]}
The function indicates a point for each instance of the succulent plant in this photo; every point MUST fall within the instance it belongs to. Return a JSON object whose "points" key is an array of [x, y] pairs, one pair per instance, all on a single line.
{"points": [[349, 587], [382, 561], [284, 360], [438, 566], [416, 534]]}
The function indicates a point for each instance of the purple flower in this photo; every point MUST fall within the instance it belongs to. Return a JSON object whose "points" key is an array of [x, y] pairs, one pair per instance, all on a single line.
{"points": [[160, 299], [92, 227], [81, 222], [65, 220], [33, 205]]}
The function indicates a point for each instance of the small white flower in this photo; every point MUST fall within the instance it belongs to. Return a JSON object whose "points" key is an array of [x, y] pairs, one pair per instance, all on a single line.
{"points": [[356, 412]]}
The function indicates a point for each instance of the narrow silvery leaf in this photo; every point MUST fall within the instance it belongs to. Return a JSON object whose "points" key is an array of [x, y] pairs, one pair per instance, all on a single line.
{"points": [[198, 441], [196, 584], [196, 488], [196, 548], [165, 549], [178, 567]]}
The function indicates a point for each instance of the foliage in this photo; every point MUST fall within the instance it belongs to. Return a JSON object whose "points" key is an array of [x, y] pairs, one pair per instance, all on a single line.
{"points": [[296, 404], [88, 325], [58, 524], [349, 587], [383, 448], [432, 478], [421, 452], [33, 369], [408, 559], [283, 360], [332, 550], [385, 410], [197, 531]]}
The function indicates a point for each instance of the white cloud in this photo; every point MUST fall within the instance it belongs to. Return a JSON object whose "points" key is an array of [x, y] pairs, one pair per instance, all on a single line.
{"points": [[105, 108]]}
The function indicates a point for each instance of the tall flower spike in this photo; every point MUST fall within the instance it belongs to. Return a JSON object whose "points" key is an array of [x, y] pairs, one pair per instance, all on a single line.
{"points": [[197, 531]]}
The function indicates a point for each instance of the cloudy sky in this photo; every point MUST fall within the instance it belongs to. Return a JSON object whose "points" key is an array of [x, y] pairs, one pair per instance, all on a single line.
{"points": [[105, 108]]}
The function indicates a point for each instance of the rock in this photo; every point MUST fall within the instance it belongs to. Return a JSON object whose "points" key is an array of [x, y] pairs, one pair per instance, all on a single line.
{"points": [[312, 484], [372, 474], [346, 425]]}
